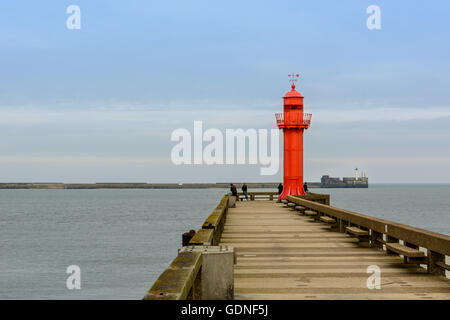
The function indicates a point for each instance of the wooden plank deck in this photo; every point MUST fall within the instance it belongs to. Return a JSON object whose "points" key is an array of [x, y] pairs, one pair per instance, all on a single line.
{"points": [[281, 255]]}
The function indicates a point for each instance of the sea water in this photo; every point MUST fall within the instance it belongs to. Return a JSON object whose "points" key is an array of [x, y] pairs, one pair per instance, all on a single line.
{"points": [[122, 239]]}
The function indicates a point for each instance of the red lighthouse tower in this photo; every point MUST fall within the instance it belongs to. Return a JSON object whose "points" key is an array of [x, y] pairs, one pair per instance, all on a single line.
{"points": [[293, 121]]}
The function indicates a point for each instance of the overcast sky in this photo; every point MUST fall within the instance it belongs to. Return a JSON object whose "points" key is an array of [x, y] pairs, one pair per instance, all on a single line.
{"points": [[99, 104]]}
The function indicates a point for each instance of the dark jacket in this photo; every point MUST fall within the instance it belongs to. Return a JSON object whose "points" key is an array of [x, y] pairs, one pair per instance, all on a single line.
{"points": [[233, 190]]}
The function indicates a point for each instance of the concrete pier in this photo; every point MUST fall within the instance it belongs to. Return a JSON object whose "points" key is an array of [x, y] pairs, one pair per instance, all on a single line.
{"points": [[306, 249]]}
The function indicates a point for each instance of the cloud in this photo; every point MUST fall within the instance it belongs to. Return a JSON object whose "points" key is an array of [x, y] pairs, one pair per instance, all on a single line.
{"points": [[385, 160], [226, 115], [380, 114], [84, 160]]}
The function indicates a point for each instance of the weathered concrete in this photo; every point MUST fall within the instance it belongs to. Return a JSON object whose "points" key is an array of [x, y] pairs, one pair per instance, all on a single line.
{"points": [[282, 255], [217, 278], [177, 281], [231, 201]]}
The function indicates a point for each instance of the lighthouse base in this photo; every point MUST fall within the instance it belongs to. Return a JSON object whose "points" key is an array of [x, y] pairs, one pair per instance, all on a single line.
{"points": [[291, 190]]}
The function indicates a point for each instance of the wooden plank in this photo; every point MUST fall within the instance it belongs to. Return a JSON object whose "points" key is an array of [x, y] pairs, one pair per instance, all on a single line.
{"points": [[327, 220], [404, 250], [320, 264], [269, 228], [337, 282], [286, 235], [323, 272], [368, 295], [370, 259], [307, 254], [291, 205], [304, 245], [228, 241], [357, 231], [310, 213]]}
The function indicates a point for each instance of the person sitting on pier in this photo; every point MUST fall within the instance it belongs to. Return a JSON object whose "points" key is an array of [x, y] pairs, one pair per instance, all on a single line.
{"points": [[244, 191], [233, 190]]}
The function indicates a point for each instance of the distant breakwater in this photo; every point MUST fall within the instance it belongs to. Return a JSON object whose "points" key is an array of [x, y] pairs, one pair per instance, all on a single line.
{"points": [[108, 185], [143, 185]]}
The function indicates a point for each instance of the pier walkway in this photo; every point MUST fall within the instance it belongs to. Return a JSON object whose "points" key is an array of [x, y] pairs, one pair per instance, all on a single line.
{"points": [[284, 255], [304, 249]]}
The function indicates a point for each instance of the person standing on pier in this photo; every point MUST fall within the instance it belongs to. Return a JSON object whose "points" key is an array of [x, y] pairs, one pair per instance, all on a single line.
{"points": [[244, 191], [280, 188], [305, 187]]}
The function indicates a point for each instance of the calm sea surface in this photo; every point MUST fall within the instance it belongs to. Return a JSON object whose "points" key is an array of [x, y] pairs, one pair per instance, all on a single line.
{"points": [[123, 239]]}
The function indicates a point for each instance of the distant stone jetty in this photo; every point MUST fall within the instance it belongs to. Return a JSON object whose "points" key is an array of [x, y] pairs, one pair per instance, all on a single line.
{"points": [[120, 185], [328, 183]]}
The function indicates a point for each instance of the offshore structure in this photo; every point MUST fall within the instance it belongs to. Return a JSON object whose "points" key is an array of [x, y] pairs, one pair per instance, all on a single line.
{"points": [[347, 182], [293, 121]]}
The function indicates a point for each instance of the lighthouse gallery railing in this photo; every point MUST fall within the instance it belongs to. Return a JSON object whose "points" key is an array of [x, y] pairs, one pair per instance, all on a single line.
{"points": [[297, 119]]}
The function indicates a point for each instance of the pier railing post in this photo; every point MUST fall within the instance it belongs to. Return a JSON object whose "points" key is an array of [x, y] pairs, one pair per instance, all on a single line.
{"points": [[434, 259], [342, 225], [390, 239], [376, 239]]}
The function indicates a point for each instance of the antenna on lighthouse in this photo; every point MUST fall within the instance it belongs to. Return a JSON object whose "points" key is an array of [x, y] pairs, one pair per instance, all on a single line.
{"points": [[292, 78]]}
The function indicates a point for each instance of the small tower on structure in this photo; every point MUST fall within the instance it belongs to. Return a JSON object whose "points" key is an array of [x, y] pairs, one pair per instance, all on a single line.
{"points": [[293, 121]]}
